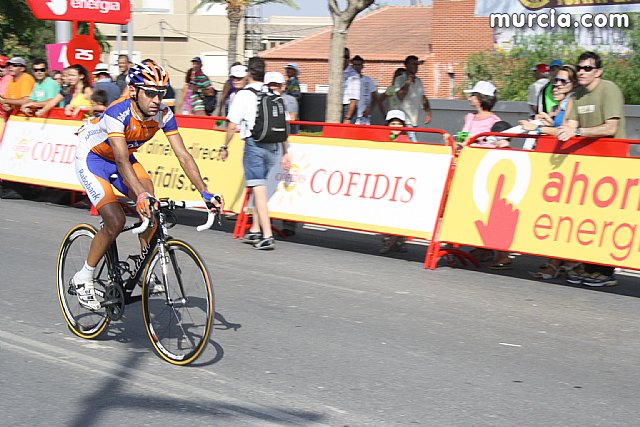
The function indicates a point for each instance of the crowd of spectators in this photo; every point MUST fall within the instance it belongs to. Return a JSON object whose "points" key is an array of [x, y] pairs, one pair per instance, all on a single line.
{"points": [[38, 91], [565, 100]]}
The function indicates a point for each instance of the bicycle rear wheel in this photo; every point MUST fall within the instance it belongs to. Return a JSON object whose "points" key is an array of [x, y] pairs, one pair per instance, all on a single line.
{"points": [[177, 307], [73, 253]]}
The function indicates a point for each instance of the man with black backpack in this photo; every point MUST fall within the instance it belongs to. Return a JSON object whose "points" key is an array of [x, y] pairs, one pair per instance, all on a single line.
{"points": [[258, 112]]}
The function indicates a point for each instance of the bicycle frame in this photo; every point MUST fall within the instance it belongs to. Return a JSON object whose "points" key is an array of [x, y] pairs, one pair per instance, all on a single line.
{"points": [[158, 239]]}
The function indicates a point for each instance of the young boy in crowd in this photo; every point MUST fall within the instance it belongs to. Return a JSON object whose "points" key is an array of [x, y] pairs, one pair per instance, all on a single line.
{"points": [[395, 118], [98, 102]]}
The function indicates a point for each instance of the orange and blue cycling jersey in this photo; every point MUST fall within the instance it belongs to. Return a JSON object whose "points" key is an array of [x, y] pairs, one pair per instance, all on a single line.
{"points": [[95, 163], [119, 120]]}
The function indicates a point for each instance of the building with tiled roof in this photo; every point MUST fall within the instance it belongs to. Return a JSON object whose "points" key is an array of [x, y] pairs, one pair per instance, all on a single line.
{"points": [[443, 34], [278, 30]]}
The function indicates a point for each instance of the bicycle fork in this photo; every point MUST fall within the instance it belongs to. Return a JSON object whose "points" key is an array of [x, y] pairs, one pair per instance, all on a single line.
{"points": [[168, 257]]}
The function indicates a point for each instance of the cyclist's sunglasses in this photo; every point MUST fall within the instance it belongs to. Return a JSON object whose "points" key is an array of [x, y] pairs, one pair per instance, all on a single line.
{"points": [[559, 81], [587, 68], [152, 93]]}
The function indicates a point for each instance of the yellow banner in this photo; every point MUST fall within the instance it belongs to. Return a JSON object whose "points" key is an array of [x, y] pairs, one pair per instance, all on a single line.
{"points": [[41, 152], [169, 180], [563, 206]]}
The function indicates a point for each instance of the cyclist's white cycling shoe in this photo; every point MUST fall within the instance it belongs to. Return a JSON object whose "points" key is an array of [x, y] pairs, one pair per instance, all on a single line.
{"points": [[86, 293]]}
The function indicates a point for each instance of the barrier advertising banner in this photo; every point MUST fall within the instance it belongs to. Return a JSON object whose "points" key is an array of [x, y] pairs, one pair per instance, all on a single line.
{"points": [[384, 187], [169, 180], [565, 206], [42, 152], [487, 7]]}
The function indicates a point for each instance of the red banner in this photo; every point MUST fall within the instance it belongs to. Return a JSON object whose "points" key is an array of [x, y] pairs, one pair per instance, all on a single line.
{"points": [[103, 11]]}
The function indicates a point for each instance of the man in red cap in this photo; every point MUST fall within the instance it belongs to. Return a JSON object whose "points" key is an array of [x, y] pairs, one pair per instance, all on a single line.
{"points": [[541, 73]]}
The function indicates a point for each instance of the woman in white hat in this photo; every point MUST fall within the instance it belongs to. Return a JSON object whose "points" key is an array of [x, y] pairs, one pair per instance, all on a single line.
{"points": [[237, 80], [483, 98]]}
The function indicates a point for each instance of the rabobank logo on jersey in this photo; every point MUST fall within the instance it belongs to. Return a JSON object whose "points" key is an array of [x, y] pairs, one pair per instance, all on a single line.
{"points": [[93, 132], [123, 116]]}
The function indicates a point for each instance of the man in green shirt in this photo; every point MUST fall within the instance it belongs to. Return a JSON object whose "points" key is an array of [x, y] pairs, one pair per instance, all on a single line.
{"points": [[598, 112], [44, 89], [599, 104]]}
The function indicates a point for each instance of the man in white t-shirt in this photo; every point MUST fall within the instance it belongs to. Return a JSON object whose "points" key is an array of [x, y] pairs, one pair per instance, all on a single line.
{"points": [[258, 157], [350, 90], [410, 93], [368, 92]]}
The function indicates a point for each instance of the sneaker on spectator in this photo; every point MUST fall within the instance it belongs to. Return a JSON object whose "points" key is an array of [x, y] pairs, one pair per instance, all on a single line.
{"points": [[252, 237], [388, 245], [266, 243], [597, 280], [576, 275], [393, 244]]}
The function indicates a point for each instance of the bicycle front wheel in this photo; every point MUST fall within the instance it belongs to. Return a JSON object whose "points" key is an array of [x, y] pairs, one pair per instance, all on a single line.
{"points": [[177, 303], [73, 253]]}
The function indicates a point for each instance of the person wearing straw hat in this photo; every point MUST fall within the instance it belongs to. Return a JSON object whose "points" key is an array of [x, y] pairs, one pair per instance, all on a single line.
{"points": [[104, 82]]}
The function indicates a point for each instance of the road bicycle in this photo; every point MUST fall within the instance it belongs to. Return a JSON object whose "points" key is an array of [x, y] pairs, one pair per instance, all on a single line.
{"points": [[177, 293]]}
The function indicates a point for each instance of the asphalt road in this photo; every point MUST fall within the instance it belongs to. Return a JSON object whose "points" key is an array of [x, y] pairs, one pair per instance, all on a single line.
{"points": [[321, 331]]}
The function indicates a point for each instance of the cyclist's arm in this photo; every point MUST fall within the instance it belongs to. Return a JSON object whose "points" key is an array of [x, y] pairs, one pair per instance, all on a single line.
{"points": [[187, 162], [125, 169]]}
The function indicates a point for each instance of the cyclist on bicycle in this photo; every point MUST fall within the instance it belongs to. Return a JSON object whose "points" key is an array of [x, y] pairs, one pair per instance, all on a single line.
{"points": [[104, 159]]}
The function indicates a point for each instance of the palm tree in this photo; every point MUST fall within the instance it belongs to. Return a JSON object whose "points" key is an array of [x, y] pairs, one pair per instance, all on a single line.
{"points": [[235, 12], [342, 20]]}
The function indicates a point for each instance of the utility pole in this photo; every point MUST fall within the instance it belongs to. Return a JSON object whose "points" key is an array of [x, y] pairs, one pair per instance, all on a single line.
{"points": [[63, 31], [161, 42], [130, 38]]}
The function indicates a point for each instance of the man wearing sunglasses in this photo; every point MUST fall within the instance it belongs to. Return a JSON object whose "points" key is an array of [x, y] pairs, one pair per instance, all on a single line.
{"points": [[19, 87], [598, 112], [44, 89], [104, 159], [599, 104]]}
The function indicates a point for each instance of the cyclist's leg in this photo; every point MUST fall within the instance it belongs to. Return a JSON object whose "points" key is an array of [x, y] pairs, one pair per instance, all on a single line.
{"points": [[147, 184], [113, 219], [94, 174]]}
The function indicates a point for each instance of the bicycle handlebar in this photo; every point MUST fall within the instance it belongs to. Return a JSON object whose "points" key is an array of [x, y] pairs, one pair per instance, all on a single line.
{"points": [[211, 216], [189, 204], [143, 226]]}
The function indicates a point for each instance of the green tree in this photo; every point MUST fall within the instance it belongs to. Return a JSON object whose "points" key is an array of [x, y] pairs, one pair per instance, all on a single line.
{"points": [[510, 71], [21, 34], [235, 12], [624, 70]]}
